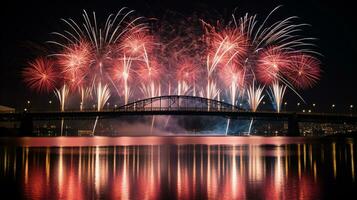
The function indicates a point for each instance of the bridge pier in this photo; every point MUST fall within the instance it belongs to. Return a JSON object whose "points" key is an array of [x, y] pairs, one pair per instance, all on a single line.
{"points": [[26, 125], [293, 125]]}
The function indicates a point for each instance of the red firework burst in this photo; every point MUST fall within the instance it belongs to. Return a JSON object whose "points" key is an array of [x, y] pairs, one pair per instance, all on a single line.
{"points": [[76, 57], [121, 69], [75, 61], [227, 44], [135, 45], [232, 74], [303, 71], [187, 71], [271, 63], [149, 71], [41, 75]]}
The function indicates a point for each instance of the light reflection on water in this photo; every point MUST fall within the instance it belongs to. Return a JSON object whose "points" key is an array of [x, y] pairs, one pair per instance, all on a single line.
{"points": [[281, 169]]}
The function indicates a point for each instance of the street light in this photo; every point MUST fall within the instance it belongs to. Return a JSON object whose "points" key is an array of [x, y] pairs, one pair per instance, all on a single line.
{"points": [[351, 108], [314, 105], [28, 105], [285, 104], [333, 107]]}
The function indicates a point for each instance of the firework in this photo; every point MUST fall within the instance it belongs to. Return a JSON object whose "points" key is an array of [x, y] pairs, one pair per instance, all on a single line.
{"points": [[277, 93], [187, 74], [41, 75], [75, 61], [138, 44], [212, 91], [103, 95], [122, 73], [62, 95], [150, 90], [125, 55], [223, 46], [85, 94], [255, 96], [182, 88], [270, 64], [233, 77], [62, 98], [303, 71], [149, 73]]}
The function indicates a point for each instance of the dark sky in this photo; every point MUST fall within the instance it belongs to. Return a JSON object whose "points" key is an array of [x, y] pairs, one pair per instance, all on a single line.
{"points": [[24, 25]]}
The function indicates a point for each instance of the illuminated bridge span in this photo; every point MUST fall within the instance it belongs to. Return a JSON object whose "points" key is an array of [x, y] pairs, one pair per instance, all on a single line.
{"points": [[178, 103], [182, 105]]}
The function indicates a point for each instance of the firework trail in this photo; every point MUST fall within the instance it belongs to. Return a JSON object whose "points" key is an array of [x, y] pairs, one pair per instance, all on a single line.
{"points": [[277, 93], [233, 77], [103, 95], [255, 96], [122, 72], [62, 95], [85, 94]]}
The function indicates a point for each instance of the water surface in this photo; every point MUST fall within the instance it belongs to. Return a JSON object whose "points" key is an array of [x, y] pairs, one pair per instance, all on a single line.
{"points": [[177, 168]]}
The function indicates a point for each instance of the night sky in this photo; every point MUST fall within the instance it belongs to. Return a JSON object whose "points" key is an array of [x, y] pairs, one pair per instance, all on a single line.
{"points": [[25, 26]]}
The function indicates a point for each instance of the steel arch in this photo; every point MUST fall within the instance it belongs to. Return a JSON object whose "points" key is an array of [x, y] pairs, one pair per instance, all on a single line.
{"points": [[179, 103]]}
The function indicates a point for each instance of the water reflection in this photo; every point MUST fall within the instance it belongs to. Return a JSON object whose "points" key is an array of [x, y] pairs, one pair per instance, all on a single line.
{"points": [[283, 171]]}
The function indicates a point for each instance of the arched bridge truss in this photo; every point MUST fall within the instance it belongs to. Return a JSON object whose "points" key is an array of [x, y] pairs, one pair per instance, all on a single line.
{"points": [[178, 103]]}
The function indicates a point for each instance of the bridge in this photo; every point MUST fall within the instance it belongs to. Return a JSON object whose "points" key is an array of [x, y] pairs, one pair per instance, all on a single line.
{"points": [[182, 105]]}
